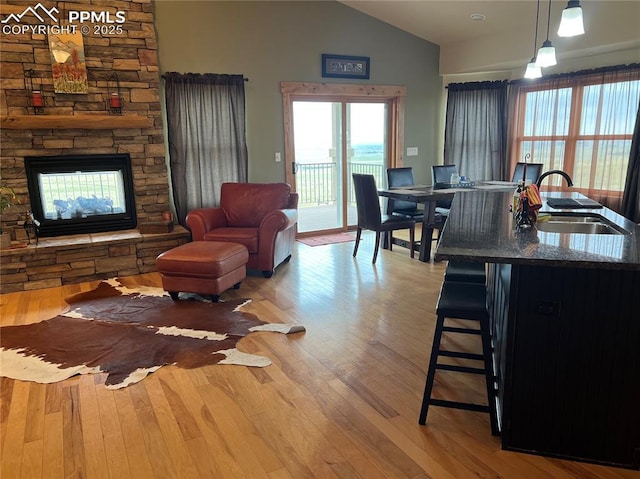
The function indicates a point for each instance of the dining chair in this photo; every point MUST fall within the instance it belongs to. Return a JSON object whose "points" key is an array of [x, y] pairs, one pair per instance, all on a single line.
{"points": [[534, 170], [442, 174], [371, 218], [397, 177], [403, 176]]}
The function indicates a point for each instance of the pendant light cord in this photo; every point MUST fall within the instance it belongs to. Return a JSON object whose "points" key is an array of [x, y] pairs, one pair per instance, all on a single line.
{"points": [[548, 19], [535, 41]]}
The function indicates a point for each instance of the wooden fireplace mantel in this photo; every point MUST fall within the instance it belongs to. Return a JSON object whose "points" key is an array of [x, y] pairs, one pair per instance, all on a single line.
{"points": [[66, 122]]}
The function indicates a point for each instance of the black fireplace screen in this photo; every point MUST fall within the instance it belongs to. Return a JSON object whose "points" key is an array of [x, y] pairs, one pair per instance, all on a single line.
{"points": [[81, 193]]}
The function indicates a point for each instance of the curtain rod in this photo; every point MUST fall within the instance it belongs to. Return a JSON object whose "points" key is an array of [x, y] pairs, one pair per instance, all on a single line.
{"points": [[164, 75], [497, 83], [592, 71], [474, 84]]}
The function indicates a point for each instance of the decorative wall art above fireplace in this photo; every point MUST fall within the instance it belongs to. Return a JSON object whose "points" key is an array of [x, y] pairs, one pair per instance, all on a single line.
{"points": [[81, 193], [68, 64]]}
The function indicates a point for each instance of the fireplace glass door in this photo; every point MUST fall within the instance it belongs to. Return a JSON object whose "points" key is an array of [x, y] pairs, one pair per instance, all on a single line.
{"points": [[81, 194]]}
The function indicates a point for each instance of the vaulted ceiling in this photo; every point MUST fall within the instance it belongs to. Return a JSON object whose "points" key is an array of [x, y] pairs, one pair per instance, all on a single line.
{"points": [[504, 38]]}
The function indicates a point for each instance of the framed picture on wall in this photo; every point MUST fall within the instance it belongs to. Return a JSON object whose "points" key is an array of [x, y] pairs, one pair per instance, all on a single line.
{"points": [[343, 66], [68, 63]]}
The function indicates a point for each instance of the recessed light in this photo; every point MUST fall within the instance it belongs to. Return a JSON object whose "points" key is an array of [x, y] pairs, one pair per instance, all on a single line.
{"points": [[478, 17]]}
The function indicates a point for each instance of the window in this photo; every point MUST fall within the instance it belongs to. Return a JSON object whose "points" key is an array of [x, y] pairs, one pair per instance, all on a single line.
{"points": [[581, 124]]}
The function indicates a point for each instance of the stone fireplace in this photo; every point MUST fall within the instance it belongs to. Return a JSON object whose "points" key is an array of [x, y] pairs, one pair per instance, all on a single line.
{"points": [[81, 125]]}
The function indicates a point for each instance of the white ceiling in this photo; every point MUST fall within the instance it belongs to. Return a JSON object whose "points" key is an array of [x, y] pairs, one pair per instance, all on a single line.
{"points": [[610, 25], [449, 21]]}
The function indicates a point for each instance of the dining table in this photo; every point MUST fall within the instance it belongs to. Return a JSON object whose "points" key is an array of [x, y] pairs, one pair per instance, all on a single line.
{"points": [[428, 195]]}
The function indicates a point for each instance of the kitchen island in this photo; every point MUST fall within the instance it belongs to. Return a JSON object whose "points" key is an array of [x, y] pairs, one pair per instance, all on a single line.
{"points": [[565, 312]]}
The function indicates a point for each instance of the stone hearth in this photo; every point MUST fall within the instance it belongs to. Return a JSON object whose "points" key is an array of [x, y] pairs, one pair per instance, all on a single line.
{"points": [[78, 258]]}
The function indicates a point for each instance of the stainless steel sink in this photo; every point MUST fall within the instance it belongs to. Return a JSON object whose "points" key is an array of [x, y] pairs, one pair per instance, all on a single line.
{"points": [[591, 224], [564, 218]]}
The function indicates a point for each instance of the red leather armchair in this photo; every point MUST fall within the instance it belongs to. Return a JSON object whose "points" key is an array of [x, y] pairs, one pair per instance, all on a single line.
{"points": [[261, 216]]}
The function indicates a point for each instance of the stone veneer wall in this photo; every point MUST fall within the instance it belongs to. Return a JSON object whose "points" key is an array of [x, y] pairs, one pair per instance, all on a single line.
{"points": [[133, 56]]}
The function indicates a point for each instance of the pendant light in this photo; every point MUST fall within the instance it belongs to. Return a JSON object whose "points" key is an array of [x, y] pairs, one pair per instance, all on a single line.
{"points": [[534, 71], [547, 53], [571, 23]]}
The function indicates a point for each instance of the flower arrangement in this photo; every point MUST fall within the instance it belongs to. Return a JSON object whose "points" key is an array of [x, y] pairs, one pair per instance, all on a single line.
{"points": [[7, 197]]}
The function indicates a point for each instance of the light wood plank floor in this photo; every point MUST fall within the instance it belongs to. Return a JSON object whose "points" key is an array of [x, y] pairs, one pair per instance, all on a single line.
{"points": [[340, 401]]}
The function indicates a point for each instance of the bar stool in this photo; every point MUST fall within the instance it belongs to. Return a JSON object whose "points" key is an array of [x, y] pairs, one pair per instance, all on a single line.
{"points": [[467, 272], [466, 301]]}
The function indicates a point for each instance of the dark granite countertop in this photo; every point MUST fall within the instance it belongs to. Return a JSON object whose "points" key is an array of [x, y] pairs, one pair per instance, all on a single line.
{"points": [[480, 228]]}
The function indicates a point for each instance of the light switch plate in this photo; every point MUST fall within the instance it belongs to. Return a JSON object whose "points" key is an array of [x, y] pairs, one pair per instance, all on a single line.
{"points": [[412, 151]]}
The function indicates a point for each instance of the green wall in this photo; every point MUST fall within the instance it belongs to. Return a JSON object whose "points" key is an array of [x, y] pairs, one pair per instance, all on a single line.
{"points": [[270, 42]]}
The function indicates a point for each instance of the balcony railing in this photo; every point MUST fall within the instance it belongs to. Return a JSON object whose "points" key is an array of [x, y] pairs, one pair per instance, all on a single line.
{"points": [[318, 183]]}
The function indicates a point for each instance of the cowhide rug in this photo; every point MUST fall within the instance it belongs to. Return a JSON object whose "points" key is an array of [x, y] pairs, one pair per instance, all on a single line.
{"points": [[129, 333]]}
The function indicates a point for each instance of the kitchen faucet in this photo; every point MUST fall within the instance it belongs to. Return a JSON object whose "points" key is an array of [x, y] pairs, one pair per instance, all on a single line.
{"points": [[551, 172]]}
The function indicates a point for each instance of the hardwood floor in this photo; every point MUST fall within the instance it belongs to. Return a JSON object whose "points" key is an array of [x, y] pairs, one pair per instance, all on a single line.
{"points": [[341, 400]]}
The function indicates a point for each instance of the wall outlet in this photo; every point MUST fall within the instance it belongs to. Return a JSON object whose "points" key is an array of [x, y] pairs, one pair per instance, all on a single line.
{"points": [[278, 157], [547, 308], [412, 151]]}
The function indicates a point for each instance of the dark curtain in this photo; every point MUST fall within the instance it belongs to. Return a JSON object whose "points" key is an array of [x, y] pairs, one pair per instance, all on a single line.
{"points": [[631, 195], [206, 134], [476, 129]]}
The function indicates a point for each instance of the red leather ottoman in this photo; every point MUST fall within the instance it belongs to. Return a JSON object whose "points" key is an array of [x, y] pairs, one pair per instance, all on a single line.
{"points": [[205, 267]]}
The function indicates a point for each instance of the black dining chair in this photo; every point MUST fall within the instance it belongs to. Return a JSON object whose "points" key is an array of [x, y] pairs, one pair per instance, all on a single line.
{"points": [[397, 177], [371, 218], [534, 170], [442, 174], [403, 176]]}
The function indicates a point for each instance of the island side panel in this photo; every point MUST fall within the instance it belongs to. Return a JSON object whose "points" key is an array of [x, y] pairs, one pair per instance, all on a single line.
{"points": [[498, 292], [572, 384]]}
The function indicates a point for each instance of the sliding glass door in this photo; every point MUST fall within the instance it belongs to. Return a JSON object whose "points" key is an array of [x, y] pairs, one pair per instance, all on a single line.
{"points": [[332, 130], [332, 140]]}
